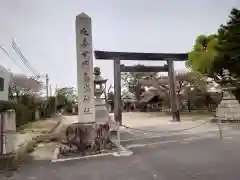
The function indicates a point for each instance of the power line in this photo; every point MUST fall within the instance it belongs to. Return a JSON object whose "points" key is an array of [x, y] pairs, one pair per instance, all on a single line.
{"points": [[26, 65], [29, 66], [10, 57], [24, 59]]}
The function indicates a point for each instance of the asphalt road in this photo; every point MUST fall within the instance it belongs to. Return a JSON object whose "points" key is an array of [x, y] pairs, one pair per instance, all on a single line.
{"points": [[196, 154], [198, 159], [132, 138]]}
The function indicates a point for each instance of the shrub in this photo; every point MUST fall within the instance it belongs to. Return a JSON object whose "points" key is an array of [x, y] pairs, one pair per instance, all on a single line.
{"points": [[24, 114], [5, 105]]}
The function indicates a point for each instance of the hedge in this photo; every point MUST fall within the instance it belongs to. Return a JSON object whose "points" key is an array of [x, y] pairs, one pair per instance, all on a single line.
{"points": [[24, 114]]}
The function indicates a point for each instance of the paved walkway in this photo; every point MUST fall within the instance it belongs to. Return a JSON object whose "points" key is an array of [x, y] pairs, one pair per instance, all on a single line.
{"points": [[156, 130], [34, 129]]}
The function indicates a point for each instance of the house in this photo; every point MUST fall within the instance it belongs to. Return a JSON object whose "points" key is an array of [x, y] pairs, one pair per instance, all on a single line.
{"points": [[4, 82], [129, 102], [151, 100]]}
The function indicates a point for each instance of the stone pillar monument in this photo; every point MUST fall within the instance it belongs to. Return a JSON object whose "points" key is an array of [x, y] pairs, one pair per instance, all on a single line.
{"points": [[229, 108], [82, 134], [87, 135], [86, 109]]}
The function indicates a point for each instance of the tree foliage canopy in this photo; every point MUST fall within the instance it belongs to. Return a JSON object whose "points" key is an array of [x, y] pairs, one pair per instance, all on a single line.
{"points": [[228, 46], [66, 95], [212, 53], [201, 58]]}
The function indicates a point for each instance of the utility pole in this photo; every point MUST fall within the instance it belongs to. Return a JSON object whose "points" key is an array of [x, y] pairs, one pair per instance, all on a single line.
{"points": [[50, 89], [47, 81], [56, 99]]}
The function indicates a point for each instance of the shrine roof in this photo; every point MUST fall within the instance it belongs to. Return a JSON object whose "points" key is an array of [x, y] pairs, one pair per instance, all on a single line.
{"points": [[110, 55]]}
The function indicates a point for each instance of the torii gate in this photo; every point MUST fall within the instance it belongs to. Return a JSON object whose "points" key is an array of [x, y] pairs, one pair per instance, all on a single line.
{"points": [[118, 68], [86, 106]]}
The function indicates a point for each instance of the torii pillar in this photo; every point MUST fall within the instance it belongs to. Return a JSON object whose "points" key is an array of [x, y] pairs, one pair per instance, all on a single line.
{"points": [[173, 91]]}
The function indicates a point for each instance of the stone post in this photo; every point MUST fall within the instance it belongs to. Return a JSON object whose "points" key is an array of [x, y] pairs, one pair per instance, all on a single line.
{"points": [[8, 132], [37, 115], [73, 110], [86, 109]]}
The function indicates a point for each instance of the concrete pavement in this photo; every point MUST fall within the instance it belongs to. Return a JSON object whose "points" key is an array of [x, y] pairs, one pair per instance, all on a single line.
{"points": [[206, 159], [198, 154], [160, 129]]}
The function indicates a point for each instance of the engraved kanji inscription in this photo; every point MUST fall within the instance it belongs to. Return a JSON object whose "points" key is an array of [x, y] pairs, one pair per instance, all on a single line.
{"points": [[85, 98], [85, 53], [85, 43], [85, 63], [86, 77], [86, 88], [86, 110], [84, 31]]}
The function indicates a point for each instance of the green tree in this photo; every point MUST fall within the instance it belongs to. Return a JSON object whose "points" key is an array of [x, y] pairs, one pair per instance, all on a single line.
{"points": [[65, 97], [228, 46], [201, 58], [68, 92]]}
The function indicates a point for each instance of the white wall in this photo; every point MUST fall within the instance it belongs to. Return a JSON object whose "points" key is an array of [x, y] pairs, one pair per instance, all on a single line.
{"points": [[6, 76]]}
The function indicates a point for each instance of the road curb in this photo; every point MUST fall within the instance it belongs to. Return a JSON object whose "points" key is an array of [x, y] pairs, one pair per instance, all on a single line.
{"points": [[80, 157]]}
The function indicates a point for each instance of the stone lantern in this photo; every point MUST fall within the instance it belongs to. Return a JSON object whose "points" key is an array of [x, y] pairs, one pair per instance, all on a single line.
{"points": [[101, 114], [229, 108]]}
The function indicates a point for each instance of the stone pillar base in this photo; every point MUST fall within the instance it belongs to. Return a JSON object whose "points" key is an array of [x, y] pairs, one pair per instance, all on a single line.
{"points": [[86, 138]]}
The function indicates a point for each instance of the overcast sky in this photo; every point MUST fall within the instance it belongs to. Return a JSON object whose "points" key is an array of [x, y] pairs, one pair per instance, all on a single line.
{"points": [[45, 30]]}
